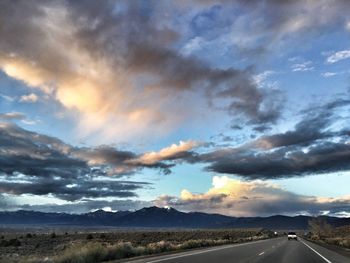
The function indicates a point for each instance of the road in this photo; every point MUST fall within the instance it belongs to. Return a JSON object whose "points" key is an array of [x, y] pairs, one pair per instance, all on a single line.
{"points": [[278, 250]]}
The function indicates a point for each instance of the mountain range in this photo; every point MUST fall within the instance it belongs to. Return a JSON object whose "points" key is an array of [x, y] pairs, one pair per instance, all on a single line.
{"points": [[156, 217]]}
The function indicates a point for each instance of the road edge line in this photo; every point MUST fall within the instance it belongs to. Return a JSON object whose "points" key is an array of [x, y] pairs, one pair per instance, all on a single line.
{"points": [[206, 251], [323, 257]]}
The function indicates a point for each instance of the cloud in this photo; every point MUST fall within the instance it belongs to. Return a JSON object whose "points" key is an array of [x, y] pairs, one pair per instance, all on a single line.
{"points": [[314, 146], [193, 45], [260, 28], [117, 162], [41, 154], [308, 130], [338, 56], [8, 116], [329, 74], [113, 71], [256, 198], [32, 163], [319, 158], [260, 79], [31, 98], [16, 116], [83, 206], [7, 98], [70, 189], [126, 162], [305, 66], [347, 25], [173, 152]]}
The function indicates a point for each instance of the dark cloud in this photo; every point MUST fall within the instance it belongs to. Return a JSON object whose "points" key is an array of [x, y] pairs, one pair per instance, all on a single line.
{"points": [[261, 128], [312, 147], [34, 154], [285, 162], [123, 161], [310, 129], [31, 163], [236, 127], [72, 189]]}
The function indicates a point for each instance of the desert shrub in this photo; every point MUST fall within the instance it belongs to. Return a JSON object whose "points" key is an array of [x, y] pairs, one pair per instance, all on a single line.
{"points": [[194, 244], [53, 235], [14, 242], [141, 243], [319, 227], [89, 237], [10, 243], [159, 247], [345, 243], [89, 253], [95, 252], [123, 250], [29, 235]]}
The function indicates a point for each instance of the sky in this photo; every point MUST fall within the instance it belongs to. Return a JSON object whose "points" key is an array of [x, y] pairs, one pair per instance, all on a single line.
{"points": [[232, 107]]}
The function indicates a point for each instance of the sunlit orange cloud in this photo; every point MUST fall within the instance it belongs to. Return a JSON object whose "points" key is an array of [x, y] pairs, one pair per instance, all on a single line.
{"points": [[107, 102], [166, 153]]}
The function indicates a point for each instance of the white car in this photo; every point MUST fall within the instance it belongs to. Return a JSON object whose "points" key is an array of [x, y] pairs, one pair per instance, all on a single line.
{"points": [[292, 235]]}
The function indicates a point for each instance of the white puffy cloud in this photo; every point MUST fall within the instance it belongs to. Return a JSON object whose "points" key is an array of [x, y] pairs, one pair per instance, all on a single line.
{"points": [[29, 98], [338, 56], [329, 74], [304, 66]]}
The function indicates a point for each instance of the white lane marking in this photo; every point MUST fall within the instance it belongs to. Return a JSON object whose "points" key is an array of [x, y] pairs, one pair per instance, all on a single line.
{"points": [[206, 251], [262, 253], [325, 259]]}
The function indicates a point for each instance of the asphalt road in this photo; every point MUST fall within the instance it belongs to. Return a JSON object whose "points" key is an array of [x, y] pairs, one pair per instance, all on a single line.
{"points": [[278, 250]]}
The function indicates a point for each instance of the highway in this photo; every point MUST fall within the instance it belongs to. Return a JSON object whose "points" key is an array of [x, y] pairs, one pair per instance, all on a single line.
{"points": [[278, 250]]}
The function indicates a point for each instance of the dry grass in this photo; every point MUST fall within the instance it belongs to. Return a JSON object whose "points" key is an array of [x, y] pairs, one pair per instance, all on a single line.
{"points": [[97, 252], [101, 247], [339, 236]]}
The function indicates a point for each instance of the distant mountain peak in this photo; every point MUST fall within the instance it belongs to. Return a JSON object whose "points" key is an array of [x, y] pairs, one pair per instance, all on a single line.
{"points": [[100, 212]]}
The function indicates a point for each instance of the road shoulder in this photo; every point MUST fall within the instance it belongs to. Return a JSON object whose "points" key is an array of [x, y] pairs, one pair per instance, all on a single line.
{"points": [[327, 254], [340, 250]]}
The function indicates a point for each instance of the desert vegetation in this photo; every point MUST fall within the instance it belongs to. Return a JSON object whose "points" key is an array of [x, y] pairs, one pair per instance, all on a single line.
{"points": [[102, 246], [322, 232]]}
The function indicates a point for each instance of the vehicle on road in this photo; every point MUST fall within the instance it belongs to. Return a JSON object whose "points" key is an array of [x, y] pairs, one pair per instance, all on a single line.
{"points": [[292, 235]]}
